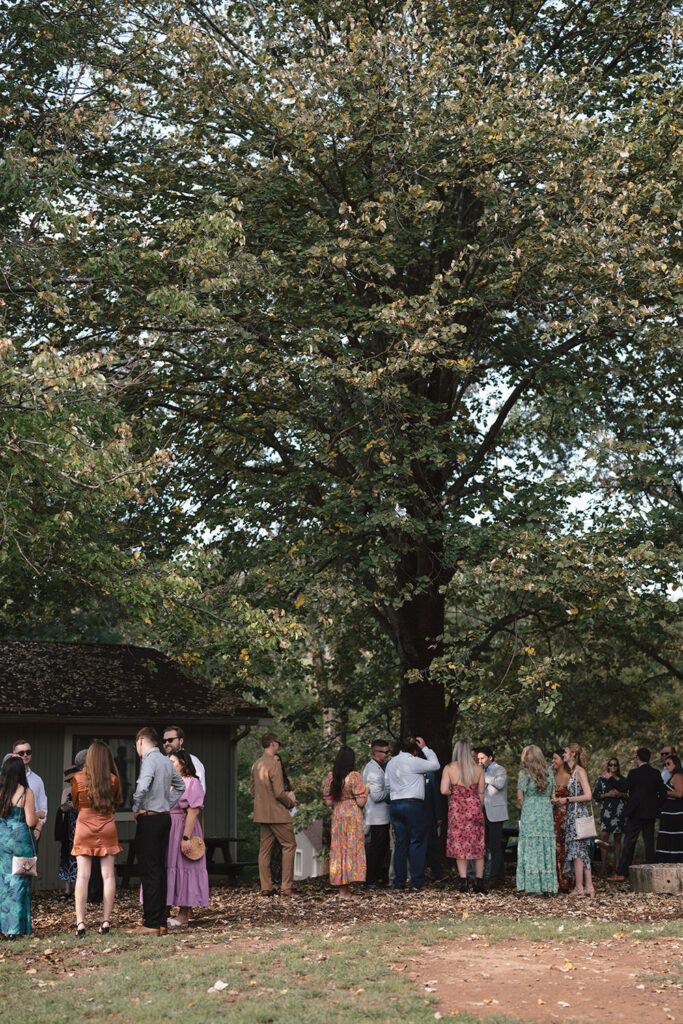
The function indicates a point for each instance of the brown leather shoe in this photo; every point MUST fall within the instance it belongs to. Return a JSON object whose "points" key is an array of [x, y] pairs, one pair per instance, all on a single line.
{"points": [[289, 892], [163, 930], [616, 878], [142, 929], [268, 892]]}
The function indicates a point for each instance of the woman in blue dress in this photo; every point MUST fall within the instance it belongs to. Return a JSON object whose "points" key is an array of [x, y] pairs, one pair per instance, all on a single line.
{"points": [[536, 855], [17, 816]]}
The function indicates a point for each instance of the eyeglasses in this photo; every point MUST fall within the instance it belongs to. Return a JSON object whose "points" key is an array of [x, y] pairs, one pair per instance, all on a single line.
{"points": [[24, 753], [169, 739]]}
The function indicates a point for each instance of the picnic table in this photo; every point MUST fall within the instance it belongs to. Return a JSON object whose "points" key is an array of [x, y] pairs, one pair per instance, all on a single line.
{"points": [[228, 866]]}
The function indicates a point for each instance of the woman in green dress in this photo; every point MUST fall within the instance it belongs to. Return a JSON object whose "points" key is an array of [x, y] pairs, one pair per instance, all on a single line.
{"points": [[536, 861]]}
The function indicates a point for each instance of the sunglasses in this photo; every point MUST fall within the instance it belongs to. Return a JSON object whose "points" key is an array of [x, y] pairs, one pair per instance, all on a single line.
{"points": [[169, 739], [612, 764], [24, 753]]}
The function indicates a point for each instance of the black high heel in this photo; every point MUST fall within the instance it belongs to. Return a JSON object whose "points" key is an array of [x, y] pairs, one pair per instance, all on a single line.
{"points": [[104, 928], [80, 929], [463, 885]]}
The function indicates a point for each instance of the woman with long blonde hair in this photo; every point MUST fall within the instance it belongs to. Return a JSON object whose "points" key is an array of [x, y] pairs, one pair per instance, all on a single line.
{"points": [[463, 780], [96, 792], [536, 861], [577, 863]]}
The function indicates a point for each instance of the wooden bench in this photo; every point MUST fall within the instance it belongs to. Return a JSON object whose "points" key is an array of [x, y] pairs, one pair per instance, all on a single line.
{"points": [[232, 868]]}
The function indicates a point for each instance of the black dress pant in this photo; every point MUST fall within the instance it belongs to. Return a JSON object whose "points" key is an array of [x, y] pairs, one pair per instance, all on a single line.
{"points": [[495, 868], [376, 850], [151, 844], [634, 826]]}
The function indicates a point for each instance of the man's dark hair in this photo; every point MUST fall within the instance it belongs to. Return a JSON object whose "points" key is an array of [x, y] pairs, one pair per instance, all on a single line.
{"points": [[147, 733], [268, 738], [406, 745], [379, 743], [176, 728], [18, 743], [643, 754], [486, 751]]}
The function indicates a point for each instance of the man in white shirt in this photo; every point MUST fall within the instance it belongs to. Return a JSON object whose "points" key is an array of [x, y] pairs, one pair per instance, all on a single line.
{"points": [[376, 813], [24, 750], [405, 779], [495, 813], [174, 739]]}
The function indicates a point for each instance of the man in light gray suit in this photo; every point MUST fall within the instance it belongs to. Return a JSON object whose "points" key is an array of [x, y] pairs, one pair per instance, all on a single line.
{"points": [[495, 813]]}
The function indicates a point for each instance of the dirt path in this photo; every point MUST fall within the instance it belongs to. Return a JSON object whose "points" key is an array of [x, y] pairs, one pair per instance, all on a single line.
{"points": [[608, 982]]}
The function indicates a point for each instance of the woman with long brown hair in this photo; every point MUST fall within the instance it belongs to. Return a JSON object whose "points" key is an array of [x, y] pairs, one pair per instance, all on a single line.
{"points": [[577, 862], [536, 868], [18, 817], [345, 792], [463, 781], [96, 791], [562, 776]]}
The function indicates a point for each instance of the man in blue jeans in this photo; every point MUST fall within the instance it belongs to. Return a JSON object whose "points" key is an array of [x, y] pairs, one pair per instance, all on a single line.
{"points": [[405, 780]]}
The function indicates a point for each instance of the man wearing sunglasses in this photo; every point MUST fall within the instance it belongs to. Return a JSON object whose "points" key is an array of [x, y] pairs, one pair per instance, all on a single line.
{"points": [[24, 750], [173, 739], [667, 751]]}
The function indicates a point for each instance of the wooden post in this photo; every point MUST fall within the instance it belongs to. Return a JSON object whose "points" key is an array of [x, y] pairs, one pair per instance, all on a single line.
{"points": [[656, 878]]}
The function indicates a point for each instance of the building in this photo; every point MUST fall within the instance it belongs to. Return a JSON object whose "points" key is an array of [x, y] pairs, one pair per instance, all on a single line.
{"points": [[61, 696], [308, 859]]}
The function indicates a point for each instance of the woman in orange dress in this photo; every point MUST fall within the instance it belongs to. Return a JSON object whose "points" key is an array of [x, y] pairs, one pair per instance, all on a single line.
{"points": [[95, 792], [345, 792]]}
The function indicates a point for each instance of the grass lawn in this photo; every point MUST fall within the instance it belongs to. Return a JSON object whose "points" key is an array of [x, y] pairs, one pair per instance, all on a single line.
{"points": [[350, 972]]}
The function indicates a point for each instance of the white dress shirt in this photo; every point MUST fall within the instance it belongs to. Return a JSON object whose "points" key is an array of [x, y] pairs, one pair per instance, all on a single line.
{"points": [[199, 768], [35, 784], [405, 774]]}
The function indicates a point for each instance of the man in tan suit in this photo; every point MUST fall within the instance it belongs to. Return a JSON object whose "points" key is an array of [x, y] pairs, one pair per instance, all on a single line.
{"points": [[272, 804]]}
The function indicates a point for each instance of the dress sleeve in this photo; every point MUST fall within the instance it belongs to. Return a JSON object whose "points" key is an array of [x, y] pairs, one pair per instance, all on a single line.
{"points": [[357, 786], [74, 792], [522, 780], [194, 794]]}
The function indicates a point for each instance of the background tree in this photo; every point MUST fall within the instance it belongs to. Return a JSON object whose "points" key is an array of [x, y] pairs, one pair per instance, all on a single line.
{"points": [[384, 275]]}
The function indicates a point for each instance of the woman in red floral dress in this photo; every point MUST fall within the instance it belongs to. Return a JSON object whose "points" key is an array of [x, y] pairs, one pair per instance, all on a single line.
{"points": [[562, 776], [345, 792], [463, 779]]}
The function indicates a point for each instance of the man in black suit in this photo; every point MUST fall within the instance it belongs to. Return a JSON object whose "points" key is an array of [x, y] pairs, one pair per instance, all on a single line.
{"points": [[646, 793]]}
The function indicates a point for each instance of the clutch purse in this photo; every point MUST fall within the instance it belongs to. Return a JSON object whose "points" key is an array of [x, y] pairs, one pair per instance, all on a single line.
{"points": [[25, 866], [197, 848]]}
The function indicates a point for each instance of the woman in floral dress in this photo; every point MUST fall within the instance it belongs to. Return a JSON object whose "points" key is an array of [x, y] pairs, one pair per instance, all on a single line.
{"points": [[562, 776], [345, 792], [463, 779], [610, 791], [536, 864], [577, 861]]}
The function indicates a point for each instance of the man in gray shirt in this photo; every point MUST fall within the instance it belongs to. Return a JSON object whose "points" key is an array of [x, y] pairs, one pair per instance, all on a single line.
{"points": [[159, 787]]}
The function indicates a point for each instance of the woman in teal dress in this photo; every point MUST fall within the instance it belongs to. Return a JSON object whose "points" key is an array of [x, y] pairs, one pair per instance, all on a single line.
{"points": [[17, 816], [536, 860]]}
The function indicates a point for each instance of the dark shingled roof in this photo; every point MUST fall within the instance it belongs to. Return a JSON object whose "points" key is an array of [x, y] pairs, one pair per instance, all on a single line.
{"points": [[107, 680]]}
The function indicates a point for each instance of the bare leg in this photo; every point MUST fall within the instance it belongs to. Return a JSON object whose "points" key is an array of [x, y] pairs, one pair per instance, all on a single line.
{"points": [[108, 885], [603, 852], [81, 886], [588, 882], [578, 875], [462, 865], [479, 867], [617, 850]]}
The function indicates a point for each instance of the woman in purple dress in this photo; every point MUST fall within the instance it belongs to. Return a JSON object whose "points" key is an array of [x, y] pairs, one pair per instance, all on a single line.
{"points": [[188, 880]]}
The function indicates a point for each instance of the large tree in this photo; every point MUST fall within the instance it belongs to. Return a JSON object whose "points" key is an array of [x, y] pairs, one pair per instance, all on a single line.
{"points": [[391, 272]]}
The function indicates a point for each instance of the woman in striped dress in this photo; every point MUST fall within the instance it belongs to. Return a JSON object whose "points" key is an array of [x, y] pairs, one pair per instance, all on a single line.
{"points": [[670, 839]]}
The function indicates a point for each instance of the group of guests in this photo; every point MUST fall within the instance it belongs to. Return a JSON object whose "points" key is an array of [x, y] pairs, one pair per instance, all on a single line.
{"points": [[555, 846], [166, 805]]}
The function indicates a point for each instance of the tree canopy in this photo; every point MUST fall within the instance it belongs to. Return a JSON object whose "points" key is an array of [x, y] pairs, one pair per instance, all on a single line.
{"points": [[397, 287]]}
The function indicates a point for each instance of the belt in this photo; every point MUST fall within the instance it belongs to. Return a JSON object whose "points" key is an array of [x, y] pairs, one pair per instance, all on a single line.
{"points": [[408, 800], [145, 813]]}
